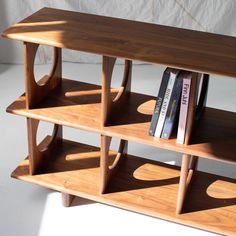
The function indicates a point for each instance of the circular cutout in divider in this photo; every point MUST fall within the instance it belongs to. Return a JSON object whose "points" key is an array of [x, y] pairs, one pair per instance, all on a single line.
{"points": [[44, 129], [117, 78], [116, 151], [43, 63]]}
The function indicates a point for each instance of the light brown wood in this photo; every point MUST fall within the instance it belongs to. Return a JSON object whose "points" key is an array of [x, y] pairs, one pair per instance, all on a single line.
{"points": [[67, 199], [39, 155], [183, 182], [36, 92], [78, 105], [109, 167], [140, 185], [188, 168], [200, 51]]}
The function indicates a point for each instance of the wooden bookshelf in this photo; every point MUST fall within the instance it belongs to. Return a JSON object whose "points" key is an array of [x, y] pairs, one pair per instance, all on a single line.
{"points": [[204, 200]]}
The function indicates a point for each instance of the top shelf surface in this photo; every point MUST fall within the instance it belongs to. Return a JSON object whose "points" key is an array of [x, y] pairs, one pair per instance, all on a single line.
{"points": [[188, 49]]}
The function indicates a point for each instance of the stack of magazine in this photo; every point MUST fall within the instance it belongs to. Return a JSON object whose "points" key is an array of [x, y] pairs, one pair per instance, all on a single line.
{"points": [[173, 102]]}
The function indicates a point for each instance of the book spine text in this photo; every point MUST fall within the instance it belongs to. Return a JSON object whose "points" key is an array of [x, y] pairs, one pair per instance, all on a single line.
{"points": [[183, 109]]}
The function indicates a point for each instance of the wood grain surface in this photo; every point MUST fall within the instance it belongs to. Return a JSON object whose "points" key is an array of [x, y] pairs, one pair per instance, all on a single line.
{"points": [[140, 185], [78, 105], [182, 48]]}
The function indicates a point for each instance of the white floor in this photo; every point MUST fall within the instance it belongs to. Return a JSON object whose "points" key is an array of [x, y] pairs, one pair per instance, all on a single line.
{"points": [[30, 210]]}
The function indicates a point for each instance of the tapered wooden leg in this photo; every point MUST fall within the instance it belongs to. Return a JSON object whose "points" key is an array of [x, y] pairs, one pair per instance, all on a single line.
{"points": [[186, 175], [67, 199], [106, 170], [182, 182]]}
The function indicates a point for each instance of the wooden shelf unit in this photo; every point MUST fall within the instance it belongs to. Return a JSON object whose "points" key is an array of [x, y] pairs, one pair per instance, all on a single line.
{"points": [[117, 178]]}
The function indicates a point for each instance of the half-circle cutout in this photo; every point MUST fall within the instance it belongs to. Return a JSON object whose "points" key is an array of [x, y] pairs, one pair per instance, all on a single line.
{"points": [[118, 91], [45, 129], [41, 73]]}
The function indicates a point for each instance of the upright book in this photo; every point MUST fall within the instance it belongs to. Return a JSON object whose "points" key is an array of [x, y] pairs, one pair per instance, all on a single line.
{"points": [[173, 108], [184, 106], [161, 119], [159, 100], [191, 109]]}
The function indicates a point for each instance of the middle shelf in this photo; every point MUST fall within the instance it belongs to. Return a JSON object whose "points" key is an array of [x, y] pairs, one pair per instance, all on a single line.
{"points": [[77, 104]]}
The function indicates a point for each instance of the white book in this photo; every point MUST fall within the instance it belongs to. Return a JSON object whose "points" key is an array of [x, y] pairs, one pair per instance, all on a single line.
{"points": [[184, 108], [165, 104]]}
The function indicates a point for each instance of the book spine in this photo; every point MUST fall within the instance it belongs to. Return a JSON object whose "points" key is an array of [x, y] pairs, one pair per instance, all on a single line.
{"points": [[165, 105], [203, 96], [159, 100], [183, 110], [172, 108], [192, 106]]}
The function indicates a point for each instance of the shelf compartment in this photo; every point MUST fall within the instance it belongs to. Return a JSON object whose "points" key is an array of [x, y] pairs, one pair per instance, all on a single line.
{"points": [[140, 185], [77, 104]]}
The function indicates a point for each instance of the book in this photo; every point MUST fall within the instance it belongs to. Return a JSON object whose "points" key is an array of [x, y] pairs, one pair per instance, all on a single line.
{"points": [[165, 103], [159, 100], [173, 108], [184, 101], [202, 97], [191, 109]]}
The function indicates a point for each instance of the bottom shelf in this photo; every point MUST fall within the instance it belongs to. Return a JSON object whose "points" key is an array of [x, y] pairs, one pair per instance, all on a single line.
{"points": [[140, 185]]}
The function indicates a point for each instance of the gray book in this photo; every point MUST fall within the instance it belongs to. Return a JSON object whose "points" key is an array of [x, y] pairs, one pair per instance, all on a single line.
{"points": [[159, 100], [173, 107]]}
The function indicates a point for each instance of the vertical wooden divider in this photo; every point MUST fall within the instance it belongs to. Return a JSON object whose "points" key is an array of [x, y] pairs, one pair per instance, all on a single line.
{"points": [[35, 92], [39, 154], [111, 105], [189, 163]]}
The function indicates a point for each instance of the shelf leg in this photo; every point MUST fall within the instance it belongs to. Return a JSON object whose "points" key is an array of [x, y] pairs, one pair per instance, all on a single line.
{"points": [[107, 170], [186, 176], [67, 199]]}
